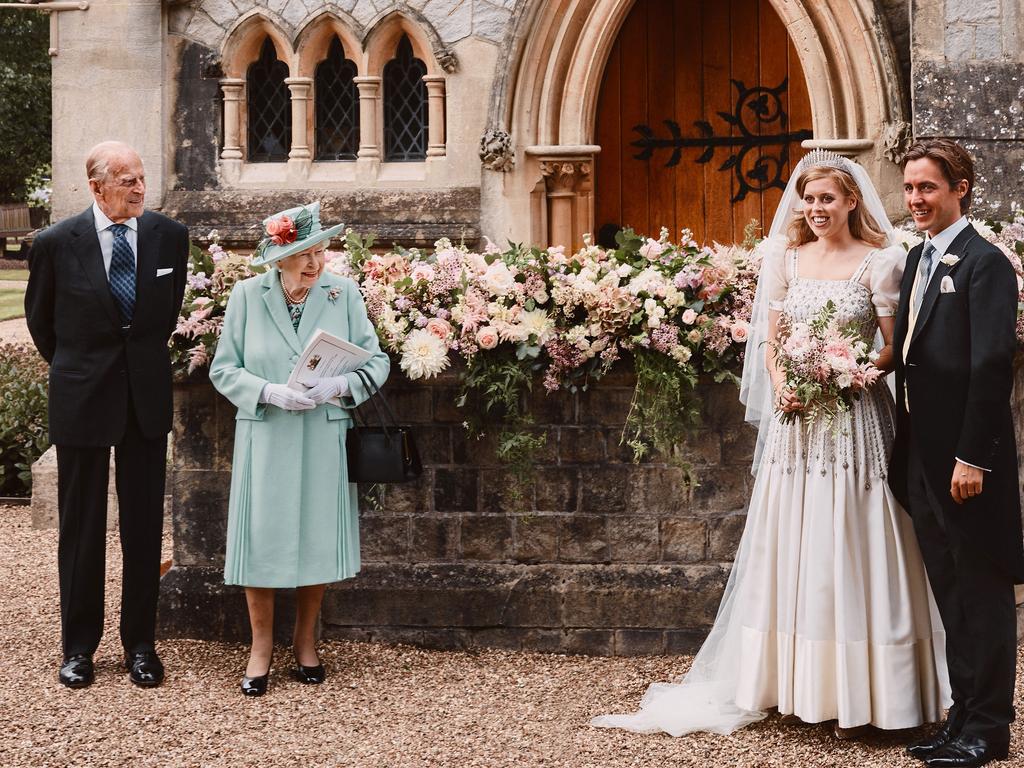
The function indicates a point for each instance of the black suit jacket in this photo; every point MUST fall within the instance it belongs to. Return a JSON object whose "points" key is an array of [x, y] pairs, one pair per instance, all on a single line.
{"points": [[958, 377], [94, 364]]}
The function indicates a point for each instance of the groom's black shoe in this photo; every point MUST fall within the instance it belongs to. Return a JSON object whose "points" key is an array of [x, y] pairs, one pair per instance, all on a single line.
{"points": [[144, 668], [923, 748], [967, 751], [77, 671]]}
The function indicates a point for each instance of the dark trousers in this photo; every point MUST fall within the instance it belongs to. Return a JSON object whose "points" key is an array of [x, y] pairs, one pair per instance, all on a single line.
{"points": [[976, 602], [82, 477]]}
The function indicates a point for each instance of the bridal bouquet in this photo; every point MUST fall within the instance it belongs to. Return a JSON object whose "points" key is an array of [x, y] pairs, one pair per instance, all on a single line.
{"points": [[827, 364]]}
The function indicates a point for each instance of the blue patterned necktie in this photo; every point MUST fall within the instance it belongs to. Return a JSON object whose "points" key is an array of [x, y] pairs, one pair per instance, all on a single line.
{"points": [[924, 274], [122, 273]]}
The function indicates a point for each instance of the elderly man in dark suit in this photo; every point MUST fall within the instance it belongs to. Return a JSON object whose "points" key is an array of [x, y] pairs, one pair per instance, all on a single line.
{"points": [[954, 463], [104, 292]]}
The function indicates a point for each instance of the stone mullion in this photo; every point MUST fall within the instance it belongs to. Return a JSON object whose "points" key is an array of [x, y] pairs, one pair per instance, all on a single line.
{"points": [[435, 119], [299, 155], [234, 93], [369, 139]]}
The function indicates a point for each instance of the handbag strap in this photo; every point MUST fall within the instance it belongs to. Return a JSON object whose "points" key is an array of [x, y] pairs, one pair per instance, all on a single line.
{"points": [[376, 394]]}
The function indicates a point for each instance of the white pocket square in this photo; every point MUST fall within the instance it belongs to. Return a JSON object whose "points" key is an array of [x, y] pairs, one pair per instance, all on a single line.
{"points": [[946, 286], [166, 271]]}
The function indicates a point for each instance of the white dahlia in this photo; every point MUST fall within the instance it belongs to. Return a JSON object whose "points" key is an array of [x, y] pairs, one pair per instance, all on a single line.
{"points": [[423, 355]]}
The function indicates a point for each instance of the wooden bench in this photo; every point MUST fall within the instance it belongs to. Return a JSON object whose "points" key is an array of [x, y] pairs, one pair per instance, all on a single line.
{"points": [[17, 221]]}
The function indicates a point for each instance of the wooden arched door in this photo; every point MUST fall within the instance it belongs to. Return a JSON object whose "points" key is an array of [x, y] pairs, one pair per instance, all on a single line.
{"points": [[702, 109]]}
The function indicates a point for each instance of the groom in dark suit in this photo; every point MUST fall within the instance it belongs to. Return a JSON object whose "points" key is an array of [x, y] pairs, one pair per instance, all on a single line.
{"points": [[103, 296], [954, 463]]}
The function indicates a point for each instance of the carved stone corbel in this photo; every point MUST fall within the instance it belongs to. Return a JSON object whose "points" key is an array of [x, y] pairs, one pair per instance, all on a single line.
{"points": [[447, 60], [896, 139], [496, 152]]}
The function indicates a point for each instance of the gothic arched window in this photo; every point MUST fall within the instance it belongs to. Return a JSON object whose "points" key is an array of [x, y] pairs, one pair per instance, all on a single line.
{"points": [[405, 106], [337, 106], [269, 106]]}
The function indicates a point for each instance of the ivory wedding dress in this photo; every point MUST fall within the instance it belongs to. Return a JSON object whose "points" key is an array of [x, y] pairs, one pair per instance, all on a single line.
{"points": [[827, 614]]}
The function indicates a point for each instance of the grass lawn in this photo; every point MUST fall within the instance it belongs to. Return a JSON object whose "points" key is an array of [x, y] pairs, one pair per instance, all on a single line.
{"points": [[13, 274], [12, 303]]}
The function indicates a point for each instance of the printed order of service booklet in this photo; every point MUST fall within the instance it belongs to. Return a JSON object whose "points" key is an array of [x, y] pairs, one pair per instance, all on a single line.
{"points": [[326, 356]]}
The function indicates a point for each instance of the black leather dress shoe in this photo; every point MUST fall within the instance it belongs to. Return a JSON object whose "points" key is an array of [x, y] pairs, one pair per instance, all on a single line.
{"points": [[921, 749], [255, 686], [144, 668], [310, 675], [77, 671], [967, 751]]}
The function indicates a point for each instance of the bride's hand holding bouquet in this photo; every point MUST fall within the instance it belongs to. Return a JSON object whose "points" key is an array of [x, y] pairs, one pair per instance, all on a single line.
{"points": [[825, 366]]}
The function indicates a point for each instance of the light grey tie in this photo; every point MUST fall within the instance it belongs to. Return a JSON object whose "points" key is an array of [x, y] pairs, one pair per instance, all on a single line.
{"points": [[924, 274]]}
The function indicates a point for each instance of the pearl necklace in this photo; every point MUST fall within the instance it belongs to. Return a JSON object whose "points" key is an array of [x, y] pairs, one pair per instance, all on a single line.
{"points": [[291, 299]]}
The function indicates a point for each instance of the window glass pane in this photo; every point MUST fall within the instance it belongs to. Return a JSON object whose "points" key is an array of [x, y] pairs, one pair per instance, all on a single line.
{"points": [[269, 106], [337, 106], [405, 106]]}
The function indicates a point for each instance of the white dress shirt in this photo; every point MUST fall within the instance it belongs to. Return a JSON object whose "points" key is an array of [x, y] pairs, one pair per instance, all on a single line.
{"points": [[941, 243], [106, 236]]}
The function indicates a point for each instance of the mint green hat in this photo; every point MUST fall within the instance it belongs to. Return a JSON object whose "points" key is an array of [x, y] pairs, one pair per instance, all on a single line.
{"points": [[290, 232]]}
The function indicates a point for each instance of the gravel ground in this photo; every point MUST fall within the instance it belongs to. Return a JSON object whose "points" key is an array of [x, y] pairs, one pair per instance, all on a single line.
{"points": [[14, 330], [382, 706]]}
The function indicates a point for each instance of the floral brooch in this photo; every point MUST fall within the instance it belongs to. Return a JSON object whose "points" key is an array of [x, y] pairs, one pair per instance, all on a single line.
{"points": [[333, 294]]}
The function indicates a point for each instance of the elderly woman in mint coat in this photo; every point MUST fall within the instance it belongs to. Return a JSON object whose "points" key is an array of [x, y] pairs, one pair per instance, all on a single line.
{"points": [[292, 514]]}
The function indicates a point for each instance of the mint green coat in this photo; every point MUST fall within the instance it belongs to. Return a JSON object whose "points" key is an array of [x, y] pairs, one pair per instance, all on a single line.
{"points": [[293, 517]]}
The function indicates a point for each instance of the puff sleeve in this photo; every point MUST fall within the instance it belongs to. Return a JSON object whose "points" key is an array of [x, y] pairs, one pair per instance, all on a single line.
{"points": [[773, 268], [884, 275]]}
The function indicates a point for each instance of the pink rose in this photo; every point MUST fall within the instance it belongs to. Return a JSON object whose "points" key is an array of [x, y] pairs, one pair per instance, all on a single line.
{"points": [[689, 316], [487, 337], [438, 327], [739, 332], [423, 272], [281, 230], [652, 249]]}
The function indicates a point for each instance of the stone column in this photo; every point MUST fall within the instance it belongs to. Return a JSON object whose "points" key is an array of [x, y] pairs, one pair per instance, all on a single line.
{"points": [[567, 171], [435, 119], [234, 92], [299, 156], [369, 93]]}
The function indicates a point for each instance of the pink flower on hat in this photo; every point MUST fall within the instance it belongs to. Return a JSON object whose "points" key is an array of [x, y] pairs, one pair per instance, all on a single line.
{"points": [[282, 230]]}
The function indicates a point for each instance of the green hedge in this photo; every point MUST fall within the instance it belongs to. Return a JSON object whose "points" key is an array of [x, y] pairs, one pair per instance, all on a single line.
{"points": [[24, 434]]}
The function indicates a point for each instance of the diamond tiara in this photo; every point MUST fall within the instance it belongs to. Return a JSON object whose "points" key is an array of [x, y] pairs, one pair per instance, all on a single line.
{"points": [[825, 157]]}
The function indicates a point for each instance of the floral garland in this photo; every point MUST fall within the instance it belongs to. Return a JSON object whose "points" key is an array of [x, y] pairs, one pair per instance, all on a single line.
{"points": [[521, 315]]}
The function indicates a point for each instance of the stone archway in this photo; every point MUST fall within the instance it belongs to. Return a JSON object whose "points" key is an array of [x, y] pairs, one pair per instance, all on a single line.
{"points": [[555, 54]]}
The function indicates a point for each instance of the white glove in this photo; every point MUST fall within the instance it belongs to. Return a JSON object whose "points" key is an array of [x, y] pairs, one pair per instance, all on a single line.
{"points": [[325, 389], [285, 398]]}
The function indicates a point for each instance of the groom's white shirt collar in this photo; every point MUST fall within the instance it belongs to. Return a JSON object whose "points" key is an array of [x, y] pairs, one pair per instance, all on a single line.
{"points": [[945, 238]]}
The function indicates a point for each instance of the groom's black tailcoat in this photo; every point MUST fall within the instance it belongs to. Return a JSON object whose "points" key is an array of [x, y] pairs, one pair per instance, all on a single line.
{"points": [[109, 386], [958, 377]]}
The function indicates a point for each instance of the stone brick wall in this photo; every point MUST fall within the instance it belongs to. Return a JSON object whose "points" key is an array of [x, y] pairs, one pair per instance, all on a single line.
{"points": [[597, 555], [968, 60]]}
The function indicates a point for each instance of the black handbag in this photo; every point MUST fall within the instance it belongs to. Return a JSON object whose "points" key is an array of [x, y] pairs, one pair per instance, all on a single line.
{"points": [[385, 453]]}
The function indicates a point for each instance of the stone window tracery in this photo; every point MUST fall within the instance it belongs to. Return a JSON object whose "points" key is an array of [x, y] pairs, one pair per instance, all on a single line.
{"points": [[330, 97], [269, 134]]}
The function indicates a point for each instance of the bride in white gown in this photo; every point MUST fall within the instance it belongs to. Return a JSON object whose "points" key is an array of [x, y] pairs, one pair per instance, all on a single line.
{"points": [[827, 614]]}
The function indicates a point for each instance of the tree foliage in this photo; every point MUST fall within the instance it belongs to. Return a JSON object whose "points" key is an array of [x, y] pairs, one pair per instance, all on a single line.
{"points": [[24, 99]]}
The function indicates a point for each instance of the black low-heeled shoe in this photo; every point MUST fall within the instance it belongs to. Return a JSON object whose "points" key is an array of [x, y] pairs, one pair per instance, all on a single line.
{"points": [[309, 675], [256, 686]]}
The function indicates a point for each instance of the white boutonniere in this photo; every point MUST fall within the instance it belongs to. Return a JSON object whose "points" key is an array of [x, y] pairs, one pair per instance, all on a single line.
{"points": [[950, 259], [333, 294]]}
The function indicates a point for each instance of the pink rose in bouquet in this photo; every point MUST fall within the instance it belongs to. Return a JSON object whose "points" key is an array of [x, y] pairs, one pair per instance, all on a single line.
{"points": [[438, 327], [826, 365], [487, 337]]}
